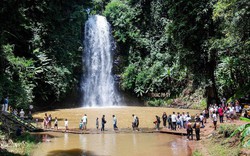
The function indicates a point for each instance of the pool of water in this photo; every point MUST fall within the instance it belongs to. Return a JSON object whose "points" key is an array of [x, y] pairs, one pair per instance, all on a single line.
{"points": [[126, 144], [110, 143], [123, 114]]}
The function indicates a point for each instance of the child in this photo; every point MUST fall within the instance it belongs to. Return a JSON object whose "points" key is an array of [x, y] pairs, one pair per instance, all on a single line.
{"points": [[56, 124], [66, 123], [97, 123], [81, 124]]}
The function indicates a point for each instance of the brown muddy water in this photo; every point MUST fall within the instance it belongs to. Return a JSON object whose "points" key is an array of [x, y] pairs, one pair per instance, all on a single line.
{"points": [[120, 144], [110, 142]]}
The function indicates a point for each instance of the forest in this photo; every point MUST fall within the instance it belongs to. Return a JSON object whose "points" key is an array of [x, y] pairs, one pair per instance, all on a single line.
{"points": [[162, 46]]}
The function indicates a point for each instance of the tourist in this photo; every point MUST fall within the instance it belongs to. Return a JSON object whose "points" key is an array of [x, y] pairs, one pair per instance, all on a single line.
{"points": [[22, 114], [30, 118], [221, 114], [181, 120], [184, 117], [56, 124], [231, 112], [135, 122], [189, 130], [103, 123], [201, 120], [197, 130], [85, 121], [157, 122], [66, 124], [6, 103], [97, 123], [188, 117], [115, 122], [164, 119], [49, 121], [227, 112], [15, 112], [45, 121], [214, 120], [81, 125], [196, 117], [206, 116], [211, 110], [237, 108], [170, 126], [174, 120], [178, 122]]}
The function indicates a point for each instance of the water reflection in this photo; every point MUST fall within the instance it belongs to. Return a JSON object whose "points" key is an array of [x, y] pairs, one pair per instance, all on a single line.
{"points": [[132, 144], [72, 152], [66, 139]]}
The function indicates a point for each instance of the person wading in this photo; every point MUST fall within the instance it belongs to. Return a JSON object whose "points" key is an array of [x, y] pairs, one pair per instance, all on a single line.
{"points": [[103, 123]]}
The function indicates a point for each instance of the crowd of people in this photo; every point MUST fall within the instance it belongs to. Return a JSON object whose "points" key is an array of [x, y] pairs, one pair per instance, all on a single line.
{"points": [[47, 122]]}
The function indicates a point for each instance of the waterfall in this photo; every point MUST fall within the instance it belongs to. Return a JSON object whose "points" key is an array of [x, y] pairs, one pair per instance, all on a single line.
{"points": [[98, 84]]}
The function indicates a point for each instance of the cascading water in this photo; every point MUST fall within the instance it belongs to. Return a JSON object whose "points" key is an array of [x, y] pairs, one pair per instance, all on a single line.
{"points": [[98, 83]]}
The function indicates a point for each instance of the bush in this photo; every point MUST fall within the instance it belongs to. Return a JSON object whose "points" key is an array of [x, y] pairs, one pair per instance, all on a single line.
{"points": [[156, 102], [227, 130]]}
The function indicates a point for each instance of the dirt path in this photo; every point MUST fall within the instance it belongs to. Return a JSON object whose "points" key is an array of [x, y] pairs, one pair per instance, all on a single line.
{"points": [[206, 133]]}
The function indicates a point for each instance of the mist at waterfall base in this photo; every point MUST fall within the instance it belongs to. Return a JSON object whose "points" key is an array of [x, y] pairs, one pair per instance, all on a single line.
{"points": [[98, 84]]}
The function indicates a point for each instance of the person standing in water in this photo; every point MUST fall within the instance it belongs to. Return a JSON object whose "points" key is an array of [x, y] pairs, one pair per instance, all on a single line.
{"points": [[85, 121], [97, 123], [66, 124], [103, 123], [164, 118], [115, 122], [56, 124]]}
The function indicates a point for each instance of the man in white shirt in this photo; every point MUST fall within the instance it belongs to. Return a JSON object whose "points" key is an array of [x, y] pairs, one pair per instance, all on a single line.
{"points": [[214, 117], [85, 120], [174, 119], [115, 122]]}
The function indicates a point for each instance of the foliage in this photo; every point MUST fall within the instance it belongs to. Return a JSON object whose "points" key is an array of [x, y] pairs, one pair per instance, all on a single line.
{"points": [[244, 131], [244, 119], [165, 43], [232, 43], [39, 50], [156, 102], [150, 61], [227, 130]]}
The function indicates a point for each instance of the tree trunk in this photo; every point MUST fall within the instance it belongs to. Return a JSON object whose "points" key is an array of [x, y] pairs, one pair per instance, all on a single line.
{"points": [[211, 91]]}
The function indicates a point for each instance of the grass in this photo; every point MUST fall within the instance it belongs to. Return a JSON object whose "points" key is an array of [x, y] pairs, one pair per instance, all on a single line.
{"points": [[197, 153], [223, 145], [220, 147]]}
